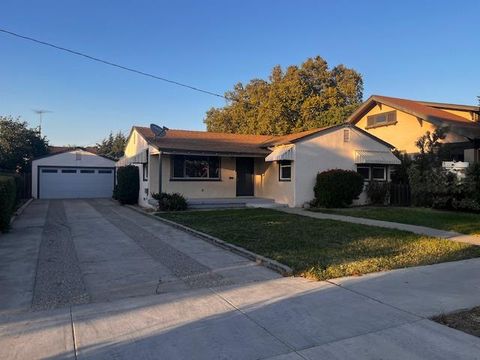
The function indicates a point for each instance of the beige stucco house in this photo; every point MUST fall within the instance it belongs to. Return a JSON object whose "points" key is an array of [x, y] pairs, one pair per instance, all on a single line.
{"points": [[401, 122], [207, 165]]}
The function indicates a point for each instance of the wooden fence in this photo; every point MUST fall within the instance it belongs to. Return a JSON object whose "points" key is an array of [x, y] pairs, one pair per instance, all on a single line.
{"points": [[400, 195]]}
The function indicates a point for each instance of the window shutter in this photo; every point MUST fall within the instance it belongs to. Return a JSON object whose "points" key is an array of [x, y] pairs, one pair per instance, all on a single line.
{"points": [[370, 121]]}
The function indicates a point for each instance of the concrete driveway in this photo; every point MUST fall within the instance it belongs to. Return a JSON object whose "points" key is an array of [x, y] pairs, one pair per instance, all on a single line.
{"points": [[93, 280]]}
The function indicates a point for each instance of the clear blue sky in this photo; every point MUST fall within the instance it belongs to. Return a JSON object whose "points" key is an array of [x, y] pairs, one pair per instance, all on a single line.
{"points": [[425, 50]]}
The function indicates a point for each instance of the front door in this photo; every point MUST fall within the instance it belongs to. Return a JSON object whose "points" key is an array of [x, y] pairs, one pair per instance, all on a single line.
{"points": [[244, 176]]}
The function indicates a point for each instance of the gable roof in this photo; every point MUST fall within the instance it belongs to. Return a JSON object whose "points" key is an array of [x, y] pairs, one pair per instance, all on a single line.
{"points": [[57, 150], [429, 112]]}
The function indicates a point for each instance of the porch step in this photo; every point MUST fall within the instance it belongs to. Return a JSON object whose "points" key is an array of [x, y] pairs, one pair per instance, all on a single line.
{"points": [[231, 203]]}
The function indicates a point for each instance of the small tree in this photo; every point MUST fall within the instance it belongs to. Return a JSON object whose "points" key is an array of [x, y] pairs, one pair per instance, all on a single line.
{"points": [[128, 185], [19, 144]]}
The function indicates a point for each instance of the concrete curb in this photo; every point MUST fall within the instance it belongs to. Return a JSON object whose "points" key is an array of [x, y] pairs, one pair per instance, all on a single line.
{"points": [[20, 210], [259, 259]]}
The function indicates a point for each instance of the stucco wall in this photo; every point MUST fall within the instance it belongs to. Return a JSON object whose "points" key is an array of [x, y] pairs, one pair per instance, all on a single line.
{"points": [[405, 132], [135, 144], [325, 152], [268, 185], [87, 159], [195, 189]]}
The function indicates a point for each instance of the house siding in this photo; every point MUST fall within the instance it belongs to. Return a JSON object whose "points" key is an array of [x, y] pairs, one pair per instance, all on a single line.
{"points": [[405, 132], [325, 152]]}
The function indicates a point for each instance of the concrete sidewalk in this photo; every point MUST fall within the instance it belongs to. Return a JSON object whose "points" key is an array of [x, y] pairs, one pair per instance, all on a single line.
{"points": [[378, 316], [421, 230]]}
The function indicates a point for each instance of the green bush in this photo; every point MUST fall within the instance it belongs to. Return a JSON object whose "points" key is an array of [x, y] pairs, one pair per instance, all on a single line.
{"points": [[170, 202], [128, 185], [7, 201], [377, 192], [337, 188]]}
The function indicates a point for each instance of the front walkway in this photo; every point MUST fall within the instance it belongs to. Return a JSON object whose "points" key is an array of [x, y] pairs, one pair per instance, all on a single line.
{"points": [[421, 230]]}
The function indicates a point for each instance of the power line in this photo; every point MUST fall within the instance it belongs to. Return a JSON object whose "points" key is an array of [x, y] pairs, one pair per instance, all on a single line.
{"points": [[111, 63]]}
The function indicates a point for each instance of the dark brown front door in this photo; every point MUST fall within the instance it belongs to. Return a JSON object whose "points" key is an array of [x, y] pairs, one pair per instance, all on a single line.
{"points": [[244, 176]]}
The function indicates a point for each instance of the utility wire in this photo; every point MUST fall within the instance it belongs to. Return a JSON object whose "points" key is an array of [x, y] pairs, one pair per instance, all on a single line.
{"points": [[111, 63]]}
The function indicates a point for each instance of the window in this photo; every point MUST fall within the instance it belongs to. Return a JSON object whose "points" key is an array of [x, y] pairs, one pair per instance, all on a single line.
{"points": [[49, 171], [145, 172], [195, 167], [104, 171], [87, 171], [364, 171], [285, 170], [373, 172], [379, 173], [346, 135], [382, 119], [69, 171]]}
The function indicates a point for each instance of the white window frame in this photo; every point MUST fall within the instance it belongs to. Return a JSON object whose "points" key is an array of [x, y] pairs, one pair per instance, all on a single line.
{"points": [[286, 164], [384, 178]]}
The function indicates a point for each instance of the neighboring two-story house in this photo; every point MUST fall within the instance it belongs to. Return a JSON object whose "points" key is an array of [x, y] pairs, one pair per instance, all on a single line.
{"points": [[401, 122]]}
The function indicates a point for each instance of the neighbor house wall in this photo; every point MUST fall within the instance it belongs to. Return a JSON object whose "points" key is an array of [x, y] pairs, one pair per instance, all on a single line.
{"points": [[405, 132], [195, 189], [325, 152], [69, 158]]}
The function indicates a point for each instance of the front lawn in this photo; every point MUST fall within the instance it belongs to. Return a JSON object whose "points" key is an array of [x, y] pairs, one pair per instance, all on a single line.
{"points": [[322, 249], [465, 223]]}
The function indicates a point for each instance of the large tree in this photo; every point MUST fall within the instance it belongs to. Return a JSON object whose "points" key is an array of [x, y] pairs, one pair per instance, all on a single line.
{"points": [[295, 99], [19, 144], [113, 145]]}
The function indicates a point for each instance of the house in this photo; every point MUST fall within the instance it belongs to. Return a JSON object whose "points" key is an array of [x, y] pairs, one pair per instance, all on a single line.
{"points": [[401, 122], [76, 172], [207, 165]]}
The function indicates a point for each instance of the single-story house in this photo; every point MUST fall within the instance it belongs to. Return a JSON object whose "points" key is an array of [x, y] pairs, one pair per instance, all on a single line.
{"points": [[401, 122], [207, 165], [72, 173]]}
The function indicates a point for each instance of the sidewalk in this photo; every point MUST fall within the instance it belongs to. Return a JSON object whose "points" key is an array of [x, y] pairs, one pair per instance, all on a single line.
{"points": [[421, 230], [381, 315]]}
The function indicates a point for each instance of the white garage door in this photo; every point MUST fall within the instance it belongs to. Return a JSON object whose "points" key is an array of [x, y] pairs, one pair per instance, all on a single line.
{"points": [[71, 183]]}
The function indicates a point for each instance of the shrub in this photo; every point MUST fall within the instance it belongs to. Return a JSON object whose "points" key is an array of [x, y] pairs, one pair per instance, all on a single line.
{"points": [[170, 202], [377, 192], [7, 201], [128, 185], [337, 188]]}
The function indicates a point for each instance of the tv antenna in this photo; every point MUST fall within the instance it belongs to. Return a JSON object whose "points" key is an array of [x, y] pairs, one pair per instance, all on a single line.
{"points": [[159, 131], [40, 113]]}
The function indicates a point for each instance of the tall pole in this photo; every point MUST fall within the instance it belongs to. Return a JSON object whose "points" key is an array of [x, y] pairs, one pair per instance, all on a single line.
{"points": [[40, 113]]}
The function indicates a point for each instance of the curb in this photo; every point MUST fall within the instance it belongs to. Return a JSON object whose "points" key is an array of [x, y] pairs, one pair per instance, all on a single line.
{"points": [[20, 210], [259, 259]]}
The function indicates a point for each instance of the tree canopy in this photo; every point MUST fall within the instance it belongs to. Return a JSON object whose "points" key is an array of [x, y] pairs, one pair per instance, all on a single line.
{"points": [[19, 144], [292, 100], [113, 145]]}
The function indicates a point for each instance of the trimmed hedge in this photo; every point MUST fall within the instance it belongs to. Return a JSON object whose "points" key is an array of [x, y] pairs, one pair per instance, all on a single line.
{"points": [[128, 185], [170, 202], [337, 188], [8, 194]]}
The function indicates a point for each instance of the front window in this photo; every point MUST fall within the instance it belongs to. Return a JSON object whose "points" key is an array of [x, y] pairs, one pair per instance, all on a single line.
{"points": [[285, 170], [373, 172], [379, 173], [195, 167], [364, 171]]}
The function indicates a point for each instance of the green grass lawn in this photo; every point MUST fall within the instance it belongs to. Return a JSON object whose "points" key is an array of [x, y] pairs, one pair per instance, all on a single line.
{"points": [[322, 249], [465, 223]]}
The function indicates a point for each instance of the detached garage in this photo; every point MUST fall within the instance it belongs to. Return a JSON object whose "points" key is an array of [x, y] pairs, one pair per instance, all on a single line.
{"points": [[70, 173]]}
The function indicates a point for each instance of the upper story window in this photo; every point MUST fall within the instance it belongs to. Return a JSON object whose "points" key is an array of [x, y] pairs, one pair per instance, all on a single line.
{"points": [[195, 167], [285, 170], [382, 119]]}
